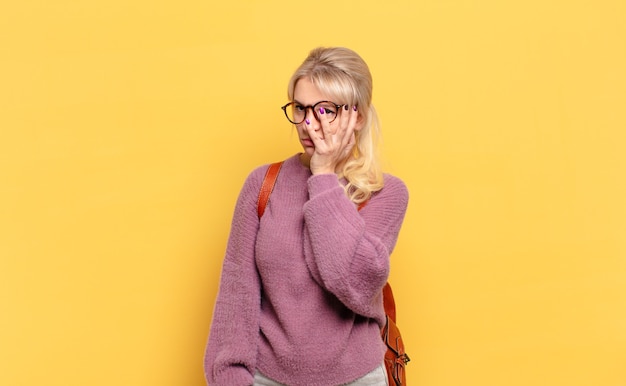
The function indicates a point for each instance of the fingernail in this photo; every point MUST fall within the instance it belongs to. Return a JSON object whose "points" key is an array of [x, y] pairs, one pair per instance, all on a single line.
{"points": [[307, 121], [345, 107], [321, 111], [354, 108]]}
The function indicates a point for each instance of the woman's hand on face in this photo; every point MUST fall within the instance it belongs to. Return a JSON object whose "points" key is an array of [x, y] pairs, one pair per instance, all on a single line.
{"points": [[333, 141]]}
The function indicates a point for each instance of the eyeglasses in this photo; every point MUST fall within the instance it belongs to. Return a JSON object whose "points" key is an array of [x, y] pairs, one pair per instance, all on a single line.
{"points": [[296, 113]]}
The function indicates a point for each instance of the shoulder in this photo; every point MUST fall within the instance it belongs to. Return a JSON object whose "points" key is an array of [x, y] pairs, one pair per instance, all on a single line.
{"points": [[257, 175], [289, 167], [392, 180], [394, 185], [393, 194]]}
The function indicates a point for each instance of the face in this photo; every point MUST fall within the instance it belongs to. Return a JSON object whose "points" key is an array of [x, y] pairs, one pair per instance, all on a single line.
{"points": [[307, 94]]}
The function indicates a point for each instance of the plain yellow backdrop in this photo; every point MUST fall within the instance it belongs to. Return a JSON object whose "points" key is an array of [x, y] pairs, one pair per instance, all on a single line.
{"points": [[128, 127]]}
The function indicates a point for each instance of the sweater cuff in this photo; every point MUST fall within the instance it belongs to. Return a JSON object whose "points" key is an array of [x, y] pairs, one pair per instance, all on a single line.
{"points": [[320, 183], [234, 376]]}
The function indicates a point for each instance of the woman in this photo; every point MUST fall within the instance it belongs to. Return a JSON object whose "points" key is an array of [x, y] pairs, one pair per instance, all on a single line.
{"points": [[300, 294]]}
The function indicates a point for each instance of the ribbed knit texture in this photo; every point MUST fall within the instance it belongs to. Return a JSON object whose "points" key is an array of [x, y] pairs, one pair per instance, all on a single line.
{"points": [[300, 292]]}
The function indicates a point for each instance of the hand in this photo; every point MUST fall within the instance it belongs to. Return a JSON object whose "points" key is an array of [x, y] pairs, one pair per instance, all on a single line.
{"points": [[333, 141]]}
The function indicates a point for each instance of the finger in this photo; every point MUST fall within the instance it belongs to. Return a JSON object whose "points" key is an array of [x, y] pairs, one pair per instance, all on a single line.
{"points": [[344, 118], [351, 116], [324, 122], [339, 124], [354, 115], [312, 128]]}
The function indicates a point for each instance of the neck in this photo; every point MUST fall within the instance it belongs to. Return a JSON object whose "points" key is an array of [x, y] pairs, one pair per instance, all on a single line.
{"points": [[305, 159]]}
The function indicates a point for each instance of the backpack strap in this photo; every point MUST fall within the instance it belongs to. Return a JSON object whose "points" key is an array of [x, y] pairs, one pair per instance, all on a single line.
{"points": [[268, 185], [389, 303]]}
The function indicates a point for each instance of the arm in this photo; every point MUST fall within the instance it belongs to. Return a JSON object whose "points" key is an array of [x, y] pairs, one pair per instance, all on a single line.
{"points": [[230, 357], [350, 249]]}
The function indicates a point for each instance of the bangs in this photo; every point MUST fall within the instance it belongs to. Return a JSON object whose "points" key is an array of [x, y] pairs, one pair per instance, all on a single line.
{"points": [[339, 87]]}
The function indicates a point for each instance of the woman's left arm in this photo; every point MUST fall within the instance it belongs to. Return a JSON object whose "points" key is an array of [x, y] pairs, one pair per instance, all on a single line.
{"points": [[348, 250]]}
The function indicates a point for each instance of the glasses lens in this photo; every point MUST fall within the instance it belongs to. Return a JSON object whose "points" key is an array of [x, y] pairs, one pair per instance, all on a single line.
{"points": [[329, 108], [295, 112]]}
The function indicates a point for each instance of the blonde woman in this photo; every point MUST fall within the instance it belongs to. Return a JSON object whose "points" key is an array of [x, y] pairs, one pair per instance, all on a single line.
{"points": [[300, 299]]}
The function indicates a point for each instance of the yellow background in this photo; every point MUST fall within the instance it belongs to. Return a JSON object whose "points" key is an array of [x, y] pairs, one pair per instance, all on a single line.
{"points": [[128, 127]]}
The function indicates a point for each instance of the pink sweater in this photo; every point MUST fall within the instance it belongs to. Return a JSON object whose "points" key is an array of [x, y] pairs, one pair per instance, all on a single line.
{"points": [[300, 291]]}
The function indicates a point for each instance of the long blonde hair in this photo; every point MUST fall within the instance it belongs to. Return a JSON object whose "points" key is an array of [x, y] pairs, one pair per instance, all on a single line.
{"points": [[343, 75]]}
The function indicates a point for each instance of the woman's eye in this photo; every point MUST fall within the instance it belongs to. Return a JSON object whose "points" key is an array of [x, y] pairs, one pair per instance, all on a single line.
{"points": [[299, 108], [329, 111]]}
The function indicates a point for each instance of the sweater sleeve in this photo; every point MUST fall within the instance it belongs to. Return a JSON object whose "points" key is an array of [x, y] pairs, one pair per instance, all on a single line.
{"points": [[230, 356], [351, 248]]}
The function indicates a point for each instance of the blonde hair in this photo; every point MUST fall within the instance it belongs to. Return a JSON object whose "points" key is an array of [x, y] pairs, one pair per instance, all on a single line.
{"points": [[343, 75]]}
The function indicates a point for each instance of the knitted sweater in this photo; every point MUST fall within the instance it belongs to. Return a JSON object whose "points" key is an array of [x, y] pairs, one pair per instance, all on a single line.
{"points": [[300, 290]]}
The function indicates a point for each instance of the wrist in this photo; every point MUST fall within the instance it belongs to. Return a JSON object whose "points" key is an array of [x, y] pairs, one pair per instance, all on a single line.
{"points": [[324, 168], [322, 183], [318, 171]]}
